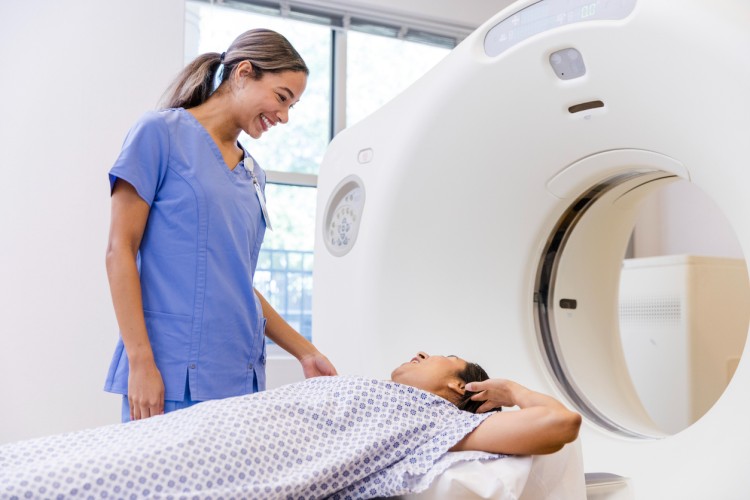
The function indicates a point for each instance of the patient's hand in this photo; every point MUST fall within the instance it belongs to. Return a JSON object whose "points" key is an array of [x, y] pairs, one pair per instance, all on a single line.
{"points": [[495, 392], [316, 365]]}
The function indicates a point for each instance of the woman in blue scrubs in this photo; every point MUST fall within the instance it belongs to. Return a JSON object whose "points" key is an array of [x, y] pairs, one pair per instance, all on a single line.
{"points": [[188, 219]]}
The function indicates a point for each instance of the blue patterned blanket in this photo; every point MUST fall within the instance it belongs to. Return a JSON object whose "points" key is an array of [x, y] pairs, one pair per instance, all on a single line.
{"points": [[326, 437]]}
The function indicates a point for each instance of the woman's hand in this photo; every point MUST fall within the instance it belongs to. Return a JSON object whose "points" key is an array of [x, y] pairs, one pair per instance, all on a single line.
{"points": [[145, 391], [495, 392], [316, 365]]}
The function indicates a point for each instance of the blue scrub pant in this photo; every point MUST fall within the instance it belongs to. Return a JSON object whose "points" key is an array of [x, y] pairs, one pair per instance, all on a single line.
{"points": [[168, 405]]}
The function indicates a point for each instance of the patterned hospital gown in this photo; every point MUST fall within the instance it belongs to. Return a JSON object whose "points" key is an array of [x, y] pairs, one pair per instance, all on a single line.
{"points": [[326, 437]]}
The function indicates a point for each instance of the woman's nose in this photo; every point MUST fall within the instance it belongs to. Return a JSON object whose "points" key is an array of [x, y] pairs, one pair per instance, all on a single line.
{"points": [[423, 355]]}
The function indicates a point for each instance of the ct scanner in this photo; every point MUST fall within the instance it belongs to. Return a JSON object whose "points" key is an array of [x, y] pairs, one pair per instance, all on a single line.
{"points": [[485, 212]]}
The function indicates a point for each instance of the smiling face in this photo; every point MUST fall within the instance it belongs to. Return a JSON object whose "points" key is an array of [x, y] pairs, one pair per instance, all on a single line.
{"points": [[263, 103], [436, 374]]}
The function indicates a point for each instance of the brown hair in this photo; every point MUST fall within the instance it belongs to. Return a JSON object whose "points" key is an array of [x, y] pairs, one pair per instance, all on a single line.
{"points": [[267, 50]]}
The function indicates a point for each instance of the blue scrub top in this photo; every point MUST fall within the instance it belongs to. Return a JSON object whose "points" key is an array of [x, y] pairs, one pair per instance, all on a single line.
{"points": [[196, 260]]}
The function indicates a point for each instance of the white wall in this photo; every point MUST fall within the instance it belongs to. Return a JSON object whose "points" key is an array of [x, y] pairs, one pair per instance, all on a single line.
{"points": [[75, 76]]}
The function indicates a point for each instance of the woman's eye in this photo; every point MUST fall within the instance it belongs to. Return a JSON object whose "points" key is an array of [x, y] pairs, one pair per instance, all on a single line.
{"points": [[282, 97]]}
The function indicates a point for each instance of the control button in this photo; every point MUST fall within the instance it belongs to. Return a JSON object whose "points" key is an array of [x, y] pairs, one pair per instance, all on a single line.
{"points": [[365, 156]]}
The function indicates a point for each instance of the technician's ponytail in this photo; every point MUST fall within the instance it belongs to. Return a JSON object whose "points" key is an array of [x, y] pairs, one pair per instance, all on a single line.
{"points": [[193, 85], [266, 50]]}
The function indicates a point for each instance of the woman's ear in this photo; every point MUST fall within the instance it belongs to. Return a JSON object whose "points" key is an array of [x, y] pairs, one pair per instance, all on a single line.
{"points": [[457, 387], [244, 70]]}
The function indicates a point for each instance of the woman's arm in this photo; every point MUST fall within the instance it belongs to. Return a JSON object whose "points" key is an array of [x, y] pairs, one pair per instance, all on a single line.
{"points": [[542, 425], [277, 329], [129, 216]]}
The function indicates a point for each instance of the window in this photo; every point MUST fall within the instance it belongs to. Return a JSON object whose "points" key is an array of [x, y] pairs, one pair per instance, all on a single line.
{"points": [[284, 273], [378, 66], [374, 76]]}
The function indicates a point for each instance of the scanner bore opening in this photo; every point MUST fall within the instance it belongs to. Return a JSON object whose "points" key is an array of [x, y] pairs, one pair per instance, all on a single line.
{"points": [[582, 259]]}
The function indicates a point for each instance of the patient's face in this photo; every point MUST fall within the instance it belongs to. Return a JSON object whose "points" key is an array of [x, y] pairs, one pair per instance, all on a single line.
{"points": [[430, 373]]}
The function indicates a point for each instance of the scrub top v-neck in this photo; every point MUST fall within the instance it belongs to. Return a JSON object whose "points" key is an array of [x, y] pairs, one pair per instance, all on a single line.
{"points": [[197, 259]]}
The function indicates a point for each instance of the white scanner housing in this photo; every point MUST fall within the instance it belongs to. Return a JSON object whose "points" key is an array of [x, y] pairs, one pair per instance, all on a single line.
{"points": [[463, 216]]}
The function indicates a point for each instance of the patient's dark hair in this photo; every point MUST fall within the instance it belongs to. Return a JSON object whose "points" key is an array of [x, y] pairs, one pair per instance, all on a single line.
{"points": [[472, 373]]}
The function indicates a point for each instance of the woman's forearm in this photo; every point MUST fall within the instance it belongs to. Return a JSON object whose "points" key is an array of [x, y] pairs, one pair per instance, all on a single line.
{"points": [[313, 363], [533, 431], [145, 384], [282, 333], [526, 398], [125, 287]]}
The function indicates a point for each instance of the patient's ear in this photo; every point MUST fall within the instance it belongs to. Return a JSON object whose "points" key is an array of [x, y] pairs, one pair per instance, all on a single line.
{"points": [[457, 386]]}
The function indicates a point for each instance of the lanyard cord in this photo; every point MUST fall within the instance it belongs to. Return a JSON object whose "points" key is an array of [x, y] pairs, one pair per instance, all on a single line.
{"points": [[258, 191]]}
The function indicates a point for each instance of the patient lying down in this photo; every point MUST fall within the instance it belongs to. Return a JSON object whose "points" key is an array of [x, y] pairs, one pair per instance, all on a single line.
{"points": [[338, 437]]}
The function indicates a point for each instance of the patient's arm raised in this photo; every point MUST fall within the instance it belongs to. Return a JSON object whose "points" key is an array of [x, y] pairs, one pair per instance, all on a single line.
{"points": [[542, 424]]}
